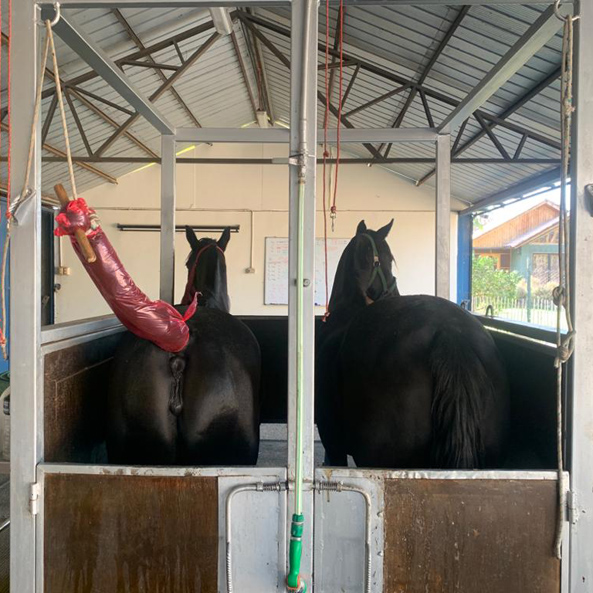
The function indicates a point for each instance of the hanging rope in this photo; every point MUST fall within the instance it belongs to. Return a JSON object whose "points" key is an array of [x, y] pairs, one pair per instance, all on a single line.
{"points": [[62, 109], [327, 178], [333, 210], [562, 299], [325, 156]]}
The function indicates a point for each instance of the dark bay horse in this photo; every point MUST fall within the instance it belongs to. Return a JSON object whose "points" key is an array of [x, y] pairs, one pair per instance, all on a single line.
{"points": [[405, 381], [197, 407]]}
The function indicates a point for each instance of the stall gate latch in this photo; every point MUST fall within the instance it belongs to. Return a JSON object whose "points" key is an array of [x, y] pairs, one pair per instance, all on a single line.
{"points": [[34, 498]]}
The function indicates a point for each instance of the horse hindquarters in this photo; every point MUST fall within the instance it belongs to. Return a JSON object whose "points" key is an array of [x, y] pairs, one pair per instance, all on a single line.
{"points": [[219, 422], [140, 429]]}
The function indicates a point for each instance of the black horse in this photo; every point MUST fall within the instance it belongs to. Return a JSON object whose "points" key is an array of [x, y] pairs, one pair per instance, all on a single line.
{"points": [[197, 407], [405, 381]]}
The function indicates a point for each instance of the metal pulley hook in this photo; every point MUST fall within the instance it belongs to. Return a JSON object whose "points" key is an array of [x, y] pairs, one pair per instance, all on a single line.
{"points": [[56, 18], [562, 17]]}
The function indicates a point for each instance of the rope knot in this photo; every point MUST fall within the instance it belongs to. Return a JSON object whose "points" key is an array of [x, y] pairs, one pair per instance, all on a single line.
{"points": [[565, 349], [326, 154], [559, 296]]}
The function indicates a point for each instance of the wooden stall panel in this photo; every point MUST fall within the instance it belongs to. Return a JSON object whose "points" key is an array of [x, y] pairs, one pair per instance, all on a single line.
{"points": [[130, 534], [75, 394], [470, 536]]}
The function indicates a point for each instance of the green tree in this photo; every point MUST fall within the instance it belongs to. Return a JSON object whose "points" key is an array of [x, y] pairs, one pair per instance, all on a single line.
{"points": [[487, 281]]}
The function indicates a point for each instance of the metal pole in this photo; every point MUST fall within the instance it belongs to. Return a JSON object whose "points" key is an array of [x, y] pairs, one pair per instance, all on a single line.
{"points": [[302, 134], [25, 306], [464, 258], [167, 284], [443, 217], [581, 411]]}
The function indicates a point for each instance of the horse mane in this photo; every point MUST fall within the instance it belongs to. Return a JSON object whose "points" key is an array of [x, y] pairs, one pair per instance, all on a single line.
{"points": [[346, 291]]}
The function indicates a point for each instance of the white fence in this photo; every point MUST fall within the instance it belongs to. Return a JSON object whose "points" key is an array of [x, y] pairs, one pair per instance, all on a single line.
{"points": [[535, 310]]}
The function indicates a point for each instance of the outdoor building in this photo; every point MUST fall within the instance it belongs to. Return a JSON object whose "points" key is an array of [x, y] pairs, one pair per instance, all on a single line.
{"points": [[518, 284], [529, 241]]}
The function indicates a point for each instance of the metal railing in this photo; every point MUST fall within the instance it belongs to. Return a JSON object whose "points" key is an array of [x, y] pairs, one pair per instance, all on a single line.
{"points": [[536, 310]]}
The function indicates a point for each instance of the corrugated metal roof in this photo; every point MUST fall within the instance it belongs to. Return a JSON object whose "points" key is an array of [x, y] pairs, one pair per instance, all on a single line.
{"points": [[400, 39]]}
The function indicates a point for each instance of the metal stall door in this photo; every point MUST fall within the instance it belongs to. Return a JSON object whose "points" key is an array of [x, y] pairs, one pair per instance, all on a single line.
{"points": [[111, 529], [437, 531]]}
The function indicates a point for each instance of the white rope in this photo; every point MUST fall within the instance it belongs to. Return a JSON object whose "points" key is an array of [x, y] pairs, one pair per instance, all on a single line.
{"points": [[564, 344], [62, 110], [25, 190]]}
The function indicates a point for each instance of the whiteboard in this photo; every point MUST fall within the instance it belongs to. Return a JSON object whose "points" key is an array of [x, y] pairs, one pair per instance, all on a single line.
{"points": [[276, 273]]}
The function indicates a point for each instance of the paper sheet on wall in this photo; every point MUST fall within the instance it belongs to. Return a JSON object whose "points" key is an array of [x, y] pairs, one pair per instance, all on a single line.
{"points": [[276, 275]]}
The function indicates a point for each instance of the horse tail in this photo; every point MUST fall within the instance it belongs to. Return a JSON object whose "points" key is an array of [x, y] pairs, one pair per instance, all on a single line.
{"points": [[177, 366], [461, 386]]}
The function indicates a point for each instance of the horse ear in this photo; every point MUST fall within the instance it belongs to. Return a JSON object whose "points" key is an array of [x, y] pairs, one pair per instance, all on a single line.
{"points": [[361, 228], [225, 238], [190, 235], [384, 231]]}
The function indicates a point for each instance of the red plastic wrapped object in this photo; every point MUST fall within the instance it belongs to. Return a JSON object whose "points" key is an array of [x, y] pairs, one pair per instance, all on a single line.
{"points": [[156, 321]]}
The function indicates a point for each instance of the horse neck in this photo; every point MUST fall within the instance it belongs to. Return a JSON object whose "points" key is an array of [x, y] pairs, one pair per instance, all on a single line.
{"points": [[347, 298], [211, 282]]}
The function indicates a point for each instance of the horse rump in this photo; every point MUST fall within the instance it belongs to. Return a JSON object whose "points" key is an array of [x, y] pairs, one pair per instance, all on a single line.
{"points": [[467, 428]]}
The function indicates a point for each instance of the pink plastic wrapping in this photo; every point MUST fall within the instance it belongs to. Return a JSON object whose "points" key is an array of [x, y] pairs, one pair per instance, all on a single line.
{"points": [[156, 321]]}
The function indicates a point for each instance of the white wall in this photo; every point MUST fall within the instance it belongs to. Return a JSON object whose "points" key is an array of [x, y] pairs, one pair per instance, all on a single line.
{"points": [[229, 194]]}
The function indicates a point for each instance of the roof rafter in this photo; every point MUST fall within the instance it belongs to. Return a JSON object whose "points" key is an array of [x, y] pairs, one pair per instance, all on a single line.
{"points": [[151, 62], [391, 76], [61, 156], [275, 161], [513, 108], [426, 71], [265, 98], [160, 91], [536, 36], [75, 92], [241, 63], [141, 53]]}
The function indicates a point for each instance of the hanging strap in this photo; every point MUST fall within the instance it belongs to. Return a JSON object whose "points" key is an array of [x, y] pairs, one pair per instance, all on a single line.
{"points": [[561, 294]]}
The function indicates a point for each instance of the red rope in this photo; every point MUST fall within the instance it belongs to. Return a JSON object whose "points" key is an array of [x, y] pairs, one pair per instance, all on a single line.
{"points": [[2, 336], [325, 155], [333, 208], [9, 112], [341, 22]]}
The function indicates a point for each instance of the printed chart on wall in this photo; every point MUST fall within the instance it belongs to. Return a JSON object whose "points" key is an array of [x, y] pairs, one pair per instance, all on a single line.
{"points": [[276, 279]]}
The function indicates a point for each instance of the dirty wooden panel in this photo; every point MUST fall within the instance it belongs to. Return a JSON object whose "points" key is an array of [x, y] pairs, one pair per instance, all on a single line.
{"points": [[75, 394], [130, 534], [470, 536]]}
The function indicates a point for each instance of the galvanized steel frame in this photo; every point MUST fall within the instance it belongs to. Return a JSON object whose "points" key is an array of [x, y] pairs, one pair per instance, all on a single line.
{"points": [[29, 343]]}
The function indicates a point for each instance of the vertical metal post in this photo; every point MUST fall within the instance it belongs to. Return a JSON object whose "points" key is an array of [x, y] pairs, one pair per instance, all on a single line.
{"points": [[443, 217], [303, 75], [25, 305], [167, 283], [464, 258], [581, 412]]}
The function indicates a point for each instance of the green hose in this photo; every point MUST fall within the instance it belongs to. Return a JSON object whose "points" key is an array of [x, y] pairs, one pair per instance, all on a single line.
{"points": [[293, 580]]}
